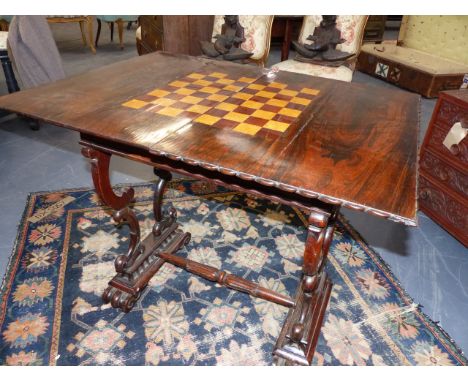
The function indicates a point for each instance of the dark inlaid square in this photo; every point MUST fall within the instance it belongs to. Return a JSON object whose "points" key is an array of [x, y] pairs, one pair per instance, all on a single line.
{"points": [[256, 121]]}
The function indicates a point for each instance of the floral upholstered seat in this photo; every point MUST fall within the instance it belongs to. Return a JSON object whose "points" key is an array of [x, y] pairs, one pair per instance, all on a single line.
{"points": [[257, 31], [352, 30]]}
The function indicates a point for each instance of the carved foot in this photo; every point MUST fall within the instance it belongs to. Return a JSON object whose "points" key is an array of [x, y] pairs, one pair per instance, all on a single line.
{"points": [[298, 338], [133, 276]]}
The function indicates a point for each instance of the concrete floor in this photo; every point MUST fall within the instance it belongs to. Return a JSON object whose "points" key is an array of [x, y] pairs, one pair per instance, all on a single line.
{"points": [[430, 264]]}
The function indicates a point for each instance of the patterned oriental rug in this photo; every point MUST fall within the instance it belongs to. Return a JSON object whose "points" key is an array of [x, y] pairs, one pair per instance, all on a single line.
{"points": [[51, 310]]}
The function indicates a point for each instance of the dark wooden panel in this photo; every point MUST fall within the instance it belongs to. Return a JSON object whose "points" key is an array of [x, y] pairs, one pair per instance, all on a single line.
{"points": [[175, 34]]}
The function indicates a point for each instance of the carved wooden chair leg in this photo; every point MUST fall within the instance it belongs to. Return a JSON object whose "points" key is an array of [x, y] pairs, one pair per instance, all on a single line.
{"points": [[98, 33], [142, 261], [82, 29], [298, 338], [89, 22], [120, 29]]}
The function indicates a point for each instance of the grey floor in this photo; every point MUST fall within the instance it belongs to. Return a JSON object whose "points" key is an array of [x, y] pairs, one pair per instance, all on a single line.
{"points": [[431, 265]]}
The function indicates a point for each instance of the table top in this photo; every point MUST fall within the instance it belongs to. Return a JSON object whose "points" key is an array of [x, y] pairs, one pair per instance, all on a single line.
{"points": [[344, 143]]}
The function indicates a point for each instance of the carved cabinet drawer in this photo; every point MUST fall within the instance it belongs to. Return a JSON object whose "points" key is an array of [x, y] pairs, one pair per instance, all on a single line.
{"points": [[443, 181], [448, 211], [448, 114], [448, 176]]}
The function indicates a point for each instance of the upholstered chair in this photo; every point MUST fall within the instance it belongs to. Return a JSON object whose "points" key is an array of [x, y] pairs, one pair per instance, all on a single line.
{"points": [[257, 31], [119, 20], [352, 30]]}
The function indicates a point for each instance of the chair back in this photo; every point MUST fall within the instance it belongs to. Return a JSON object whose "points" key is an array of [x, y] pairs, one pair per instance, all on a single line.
{"points": [[351, 27], [443, 36], [257, 31]]}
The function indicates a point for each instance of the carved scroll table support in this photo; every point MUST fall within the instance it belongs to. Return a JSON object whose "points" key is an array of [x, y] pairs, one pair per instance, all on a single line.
{"points": [[138, 266], [298, 338]]}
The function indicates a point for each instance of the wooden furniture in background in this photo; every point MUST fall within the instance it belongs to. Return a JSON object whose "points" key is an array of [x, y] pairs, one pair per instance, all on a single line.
{"points": [[443, 181], [120, 20], [82, 20], [175, 34], [375, 29], [286, 29], [431, 55], [300, 140]]}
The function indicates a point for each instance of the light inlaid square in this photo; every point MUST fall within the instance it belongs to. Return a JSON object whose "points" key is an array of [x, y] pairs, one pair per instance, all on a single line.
{"points": [[290, 93], [247, 128], [164, 101], [301, 101], [290, 112], [178, 84], [200, 109], [252, 104], [226, 106], [256, 86], [265, 94], [277, 102], [170, 111], [218, 97], [217, 75], [236, 117], [191, 99], [202, 83], [310, 91], [277, 85], [159, 93], [263, 114], [225, 81], [232, 88], [184, 91], [209, 89], [245, 96], [135, 104], [277, 126], [247, 79], [207, 119], [196, 76]]}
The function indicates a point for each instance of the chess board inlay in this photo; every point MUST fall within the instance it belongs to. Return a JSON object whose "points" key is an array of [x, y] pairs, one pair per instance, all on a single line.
{"points": [[245, 105]]}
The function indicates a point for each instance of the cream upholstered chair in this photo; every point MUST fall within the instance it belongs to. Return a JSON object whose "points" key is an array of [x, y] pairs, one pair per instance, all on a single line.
{"points": [[257, 32], [352, 30]]}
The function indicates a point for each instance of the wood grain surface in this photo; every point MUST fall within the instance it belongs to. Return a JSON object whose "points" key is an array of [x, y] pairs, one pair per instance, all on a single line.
{"points": [[354, 144]]}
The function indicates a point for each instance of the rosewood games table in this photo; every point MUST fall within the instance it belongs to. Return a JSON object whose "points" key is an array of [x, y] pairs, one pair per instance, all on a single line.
{"points": [[309, 142]]}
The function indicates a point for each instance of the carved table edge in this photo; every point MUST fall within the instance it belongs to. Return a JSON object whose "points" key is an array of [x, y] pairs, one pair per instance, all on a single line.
{"points": [[289, 188]]}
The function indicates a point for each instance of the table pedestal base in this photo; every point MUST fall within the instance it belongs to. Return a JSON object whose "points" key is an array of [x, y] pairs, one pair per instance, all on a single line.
{"points": [[125, 288], [298, 338]]}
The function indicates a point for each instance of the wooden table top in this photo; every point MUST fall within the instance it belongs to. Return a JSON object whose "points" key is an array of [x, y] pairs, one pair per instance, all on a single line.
{"points": [[344, 143]]}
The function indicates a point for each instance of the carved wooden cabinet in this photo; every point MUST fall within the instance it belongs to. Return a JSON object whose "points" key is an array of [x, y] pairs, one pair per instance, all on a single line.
{"points": [[443, 181], [175, 34]]}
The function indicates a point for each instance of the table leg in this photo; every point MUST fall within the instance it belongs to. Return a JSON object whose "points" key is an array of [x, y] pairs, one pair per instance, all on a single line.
{"points": [[286, 40], [142, 261], [298, 338]]}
